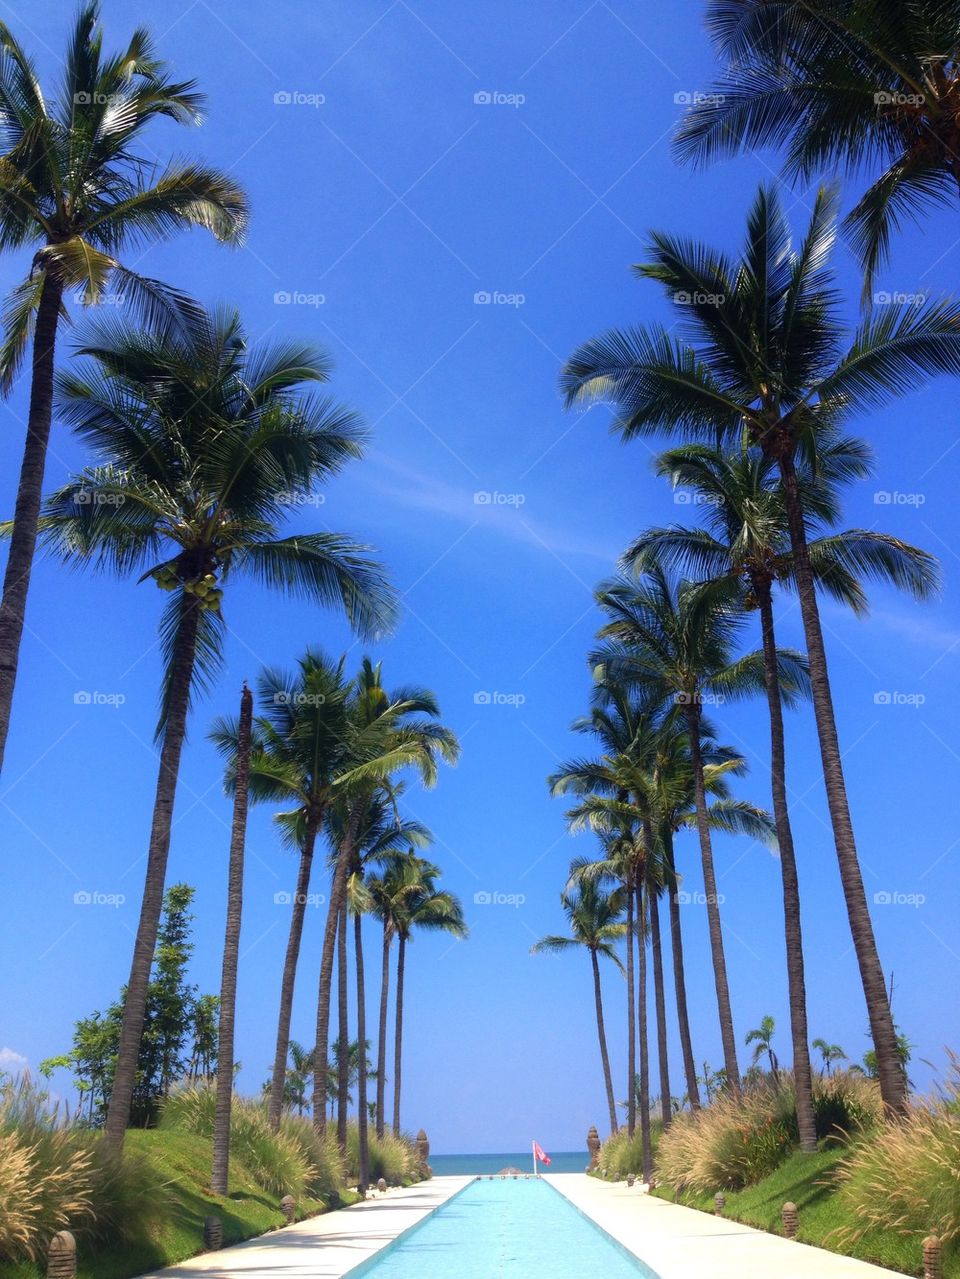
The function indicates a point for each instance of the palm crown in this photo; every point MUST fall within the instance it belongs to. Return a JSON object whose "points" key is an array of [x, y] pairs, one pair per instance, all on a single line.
{"points": [[74, 181]]}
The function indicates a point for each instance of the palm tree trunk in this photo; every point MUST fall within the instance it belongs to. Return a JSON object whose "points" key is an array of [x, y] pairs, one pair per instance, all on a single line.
{"points": [[602, 1033], [631, 1021], [26, 514], [793, 933], [382, 1035], [363, 1141], [666, 1113], [338, 891], [713, 904], [135, 1001], [291, 959], [231, 950], [343, 1031], [645, 1143], [889, 1067], [398, 1038], [679, 977]]}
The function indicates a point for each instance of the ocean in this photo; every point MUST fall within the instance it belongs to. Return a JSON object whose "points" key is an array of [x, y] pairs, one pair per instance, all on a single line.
{"points": [[464, 1165]]}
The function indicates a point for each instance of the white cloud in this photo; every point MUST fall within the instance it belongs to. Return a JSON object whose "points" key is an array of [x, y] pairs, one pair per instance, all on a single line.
{"points": [[12, 1062]]}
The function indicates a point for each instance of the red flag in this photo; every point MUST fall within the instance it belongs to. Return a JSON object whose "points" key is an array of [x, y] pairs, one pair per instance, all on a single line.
{"points": [[540, 1154]]}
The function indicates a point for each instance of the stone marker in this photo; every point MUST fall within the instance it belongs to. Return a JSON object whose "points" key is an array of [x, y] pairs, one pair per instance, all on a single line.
{"points": [[288, 1206], [631, 1178], [932, 1258], [719, 1202], [213, 1234], [791, 1220], [381, 1185], [62, 1256], [423, 1149]]}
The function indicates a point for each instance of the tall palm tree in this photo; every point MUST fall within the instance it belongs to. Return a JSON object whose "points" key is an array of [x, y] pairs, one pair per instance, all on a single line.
{"points": [[387, 892], [761, 358], [425, 909], [200, 441], [75, 188], [676, 642], [595, 923], [829, 1053], [231, 951], [857, 84], [745, 538], [388, 732], [381, 834]]}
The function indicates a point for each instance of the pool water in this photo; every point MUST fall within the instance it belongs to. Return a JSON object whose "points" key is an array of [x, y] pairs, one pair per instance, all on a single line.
{"points": [[513, 1228]]}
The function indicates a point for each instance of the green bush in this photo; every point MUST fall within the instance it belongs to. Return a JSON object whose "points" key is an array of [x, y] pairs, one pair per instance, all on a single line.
{"points": [[392, 1158], [844, 1104], [622, 1154], [327, 1171]]}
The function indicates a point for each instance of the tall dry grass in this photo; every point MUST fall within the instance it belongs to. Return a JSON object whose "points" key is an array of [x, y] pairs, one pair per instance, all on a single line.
{"points": [[907, 1176]]}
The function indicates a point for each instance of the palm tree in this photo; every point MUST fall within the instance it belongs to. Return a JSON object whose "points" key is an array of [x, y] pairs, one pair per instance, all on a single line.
{"points": [[387, 733], [75, 188], [762, 1039], [297, 1076], [425, 909], [595, 923], [676, 642], [863, 82], [761, 360], [200, 443], [231, 951], [380, 834], [829, 1053], [387, 892], [745, 538]]}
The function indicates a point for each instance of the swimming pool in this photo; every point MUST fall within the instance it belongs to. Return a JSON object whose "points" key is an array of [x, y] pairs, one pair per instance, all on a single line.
{"points": [[510, 1228]]}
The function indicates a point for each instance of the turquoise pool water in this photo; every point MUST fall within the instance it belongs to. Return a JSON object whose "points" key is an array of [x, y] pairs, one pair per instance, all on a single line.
{"points": [[519, 1229]]}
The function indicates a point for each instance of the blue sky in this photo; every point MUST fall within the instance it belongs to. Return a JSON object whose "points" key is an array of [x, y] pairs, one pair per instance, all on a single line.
{"points": [[386, 198]]}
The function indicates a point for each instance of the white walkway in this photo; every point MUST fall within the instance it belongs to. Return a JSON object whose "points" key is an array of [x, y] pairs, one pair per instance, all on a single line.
{"points": [[324, 1247], [679, 1243]]}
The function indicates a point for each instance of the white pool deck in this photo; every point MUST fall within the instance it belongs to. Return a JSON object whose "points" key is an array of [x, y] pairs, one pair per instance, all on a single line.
{"points": [[676, 1242]]}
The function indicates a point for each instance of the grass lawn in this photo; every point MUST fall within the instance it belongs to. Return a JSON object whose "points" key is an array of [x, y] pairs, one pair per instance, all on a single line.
{"points": [[806, 1181], [184, 1161]]}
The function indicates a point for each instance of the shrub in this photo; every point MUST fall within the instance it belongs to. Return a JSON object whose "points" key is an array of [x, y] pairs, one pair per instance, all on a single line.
{"points": [[845, 1104], [277, 1161], [904, 1177], [393, 1158], [732, 1143], [622, 1154], [327, 1173], [46, 1180]]}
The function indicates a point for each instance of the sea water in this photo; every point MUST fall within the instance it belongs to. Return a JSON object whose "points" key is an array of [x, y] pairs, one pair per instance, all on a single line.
{"points": [[518, 1229], [484, 1165]]}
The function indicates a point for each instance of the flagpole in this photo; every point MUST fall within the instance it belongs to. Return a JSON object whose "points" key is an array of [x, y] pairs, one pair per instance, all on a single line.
{"points": [[533, 1151]]}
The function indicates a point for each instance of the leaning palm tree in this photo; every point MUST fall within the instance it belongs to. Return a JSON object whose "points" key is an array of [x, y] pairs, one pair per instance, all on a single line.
{"points": [[231, 950], [859, 84], [425, 909], [76, 189], [595, 923], [200, 442], [761, 359], [745, 538], [675, 643]]}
